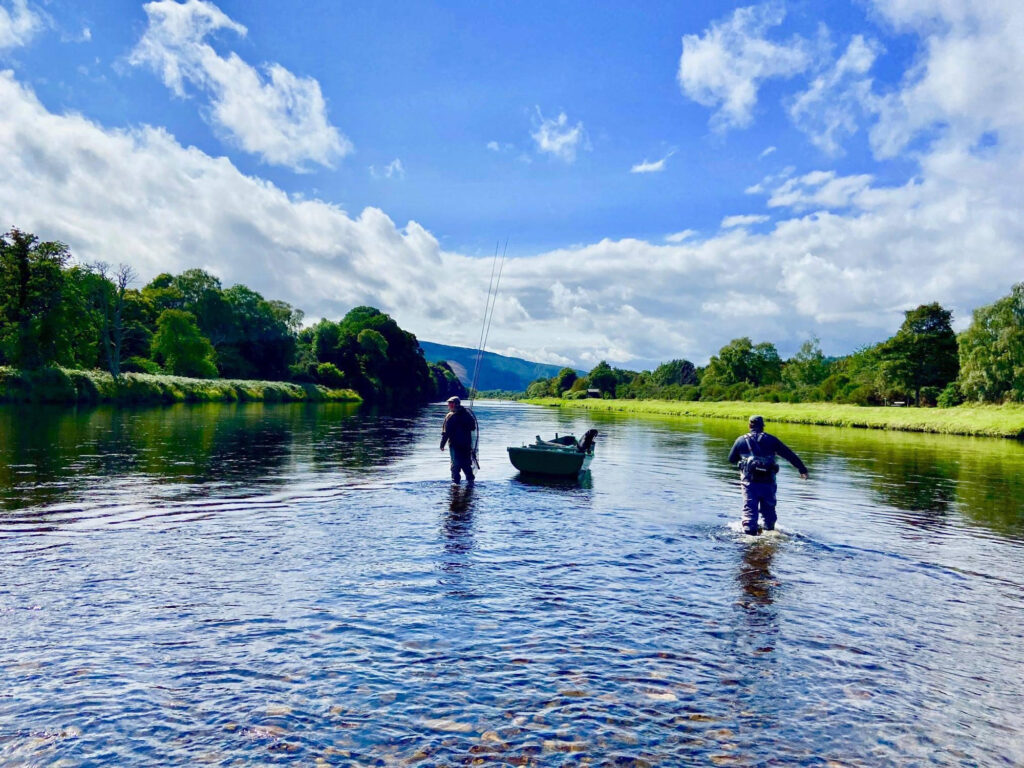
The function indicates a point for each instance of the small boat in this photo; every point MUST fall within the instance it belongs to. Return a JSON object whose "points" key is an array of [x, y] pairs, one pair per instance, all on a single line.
{"points": [[564, 456]]}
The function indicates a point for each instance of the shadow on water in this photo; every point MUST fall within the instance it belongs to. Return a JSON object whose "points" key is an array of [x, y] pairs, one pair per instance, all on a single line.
{"points": [[584, 480]]}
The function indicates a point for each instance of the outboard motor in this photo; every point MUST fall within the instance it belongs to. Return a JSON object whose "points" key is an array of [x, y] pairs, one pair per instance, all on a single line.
{"points": [[587, 443]]}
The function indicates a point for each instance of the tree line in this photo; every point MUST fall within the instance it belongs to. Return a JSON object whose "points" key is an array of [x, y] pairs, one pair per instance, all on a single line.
{"points": [[924, 363], [55, 312]]}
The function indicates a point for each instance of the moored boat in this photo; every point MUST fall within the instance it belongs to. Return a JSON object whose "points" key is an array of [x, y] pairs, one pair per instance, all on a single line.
{"points": [[564, 456]]}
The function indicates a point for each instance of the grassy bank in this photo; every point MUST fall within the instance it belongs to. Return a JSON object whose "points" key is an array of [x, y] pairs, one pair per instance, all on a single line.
{"points": [[59, 385], [985, 420]]}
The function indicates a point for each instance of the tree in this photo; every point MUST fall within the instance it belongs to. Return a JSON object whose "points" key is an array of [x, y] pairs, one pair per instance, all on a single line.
{"points": [[111, 297], [675, 372], [564, 380], [740, 361], [260, 339], [602, 377], [923, 353], [808, 367], [31, 292], [180, 346], [992, 351]]}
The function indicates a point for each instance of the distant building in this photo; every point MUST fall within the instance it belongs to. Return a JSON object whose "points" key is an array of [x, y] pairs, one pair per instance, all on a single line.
{"points": [[593, 393]]}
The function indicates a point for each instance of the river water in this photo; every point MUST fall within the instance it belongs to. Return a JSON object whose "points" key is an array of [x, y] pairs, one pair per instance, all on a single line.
{"points": [[293, 584]]}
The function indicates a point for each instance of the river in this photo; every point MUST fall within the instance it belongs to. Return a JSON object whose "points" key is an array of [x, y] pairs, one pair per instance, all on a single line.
{"points": [[295, 584]]}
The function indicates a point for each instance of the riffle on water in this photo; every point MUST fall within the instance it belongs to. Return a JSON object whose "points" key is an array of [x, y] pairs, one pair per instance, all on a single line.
{"points": [[293, 584]]}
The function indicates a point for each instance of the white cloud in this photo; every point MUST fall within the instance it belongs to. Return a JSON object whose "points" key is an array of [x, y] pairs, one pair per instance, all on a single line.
{"points": [[743, 221], [767, 151], [656, 166], [556, 137], [968, 81], [725, 66], [822, 190], [394, 169], [18, 24], [831, 107], [678, 237], [277, 115], [843, 257]]}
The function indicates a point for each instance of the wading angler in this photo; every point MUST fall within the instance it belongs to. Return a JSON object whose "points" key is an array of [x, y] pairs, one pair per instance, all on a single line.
{"points": [[755, 453], [457, 433]]}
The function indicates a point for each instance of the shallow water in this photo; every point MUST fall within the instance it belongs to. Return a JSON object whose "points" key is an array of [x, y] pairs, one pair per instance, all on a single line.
{"points": [[290, 584]]}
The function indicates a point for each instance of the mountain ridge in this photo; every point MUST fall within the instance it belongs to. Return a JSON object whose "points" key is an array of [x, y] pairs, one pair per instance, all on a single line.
{"points": [[496, 371]]}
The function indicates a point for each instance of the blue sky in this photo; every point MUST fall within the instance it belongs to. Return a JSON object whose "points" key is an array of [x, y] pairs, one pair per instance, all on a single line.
{"points": [[669, 175]]}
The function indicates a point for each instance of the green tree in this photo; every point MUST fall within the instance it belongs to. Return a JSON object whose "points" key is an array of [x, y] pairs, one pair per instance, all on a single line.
{"points": [[112, 298], [564, 380], [181, 347], [992, 351], [31, 292], [260, 339], [740, 361], [675, 372], [808, 367], [602, 377], [923, 353]]}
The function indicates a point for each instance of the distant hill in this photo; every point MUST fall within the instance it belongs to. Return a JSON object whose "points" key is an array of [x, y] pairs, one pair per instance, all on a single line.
{"points": [[496, 371]]}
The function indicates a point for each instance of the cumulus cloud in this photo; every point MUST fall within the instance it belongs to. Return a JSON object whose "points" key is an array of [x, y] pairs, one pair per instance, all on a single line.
{"points": [[724, 67], [18, 24], [830, 107], [275, 114], [969, 81], [844, 256], [655, 166], [556, 137]]}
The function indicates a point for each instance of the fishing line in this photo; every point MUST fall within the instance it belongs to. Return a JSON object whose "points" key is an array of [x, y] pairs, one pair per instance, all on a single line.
{"points": [[483, 325]]}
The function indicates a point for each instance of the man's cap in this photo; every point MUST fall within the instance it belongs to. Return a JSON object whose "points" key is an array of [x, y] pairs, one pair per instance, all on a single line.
{"points": [[756, 421], [454, 399]]}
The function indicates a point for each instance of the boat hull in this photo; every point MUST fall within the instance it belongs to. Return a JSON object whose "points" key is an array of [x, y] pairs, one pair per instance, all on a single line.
{"points": [[540, 461]]}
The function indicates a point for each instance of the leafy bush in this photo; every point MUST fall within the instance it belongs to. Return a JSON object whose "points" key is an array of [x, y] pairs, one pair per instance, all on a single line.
{"points": [[950, 397], [862, 395], [329, 375], [141, 365]]}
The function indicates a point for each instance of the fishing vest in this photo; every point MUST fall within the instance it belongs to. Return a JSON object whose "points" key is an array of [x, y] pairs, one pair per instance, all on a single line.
{"points": [[755, 467]]}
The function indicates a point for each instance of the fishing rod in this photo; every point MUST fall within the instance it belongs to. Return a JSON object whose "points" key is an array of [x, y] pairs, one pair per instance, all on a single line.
{"points": [[483, 325], [485, 332]]}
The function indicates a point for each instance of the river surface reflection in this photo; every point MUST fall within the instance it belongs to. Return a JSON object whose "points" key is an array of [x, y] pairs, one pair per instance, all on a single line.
{"points": [[294, 584]]}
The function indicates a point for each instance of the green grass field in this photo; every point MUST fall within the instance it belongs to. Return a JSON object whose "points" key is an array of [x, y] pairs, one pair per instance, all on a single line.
{"points": [[982, 420], [61, 385]]}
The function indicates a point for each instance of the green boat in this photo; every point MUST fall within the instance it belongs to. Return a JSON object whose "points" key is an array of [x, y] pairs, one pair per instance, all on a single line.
{"points": [[564, 456]]}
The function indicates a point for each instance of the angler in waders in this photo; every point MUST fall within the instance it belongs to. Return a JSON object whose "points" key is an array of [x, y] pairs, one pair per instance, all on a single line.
{"points": [[755, 452], [457, 432]]}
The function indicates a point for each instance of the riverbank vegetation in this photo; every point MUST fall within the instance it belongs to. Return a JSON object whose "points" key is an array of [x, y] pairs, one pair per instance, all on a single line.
{"points": [[925, 363], [58, 316], [981, 420], [60, 385]]}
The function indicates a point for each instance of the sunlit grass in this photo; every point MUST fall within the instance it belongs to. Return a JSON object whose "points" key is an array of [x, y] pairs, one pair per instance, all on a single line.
{"points": [[60, 385], [988, 420]]}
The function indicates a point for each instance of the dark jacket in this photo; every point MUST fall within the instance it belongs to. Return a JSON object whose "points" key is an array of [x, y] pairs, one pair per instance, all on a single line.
{"points": [[458, 429], [765, 445]]}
